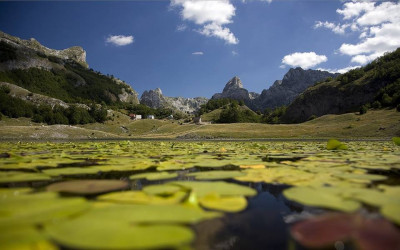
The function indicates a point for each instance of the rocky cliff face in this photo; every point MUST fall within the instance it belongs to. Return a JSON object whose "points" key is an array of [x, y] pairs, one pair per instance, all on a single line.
{"points": [[76, 53], [284, 91], [234, 90], [155, 99], [70, 64]]}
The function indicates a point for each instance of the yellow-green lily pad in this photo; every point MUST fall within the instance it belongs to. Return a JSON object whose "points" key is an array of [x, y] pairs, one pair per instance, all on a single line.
{"points": [[140, 197], [21, 238], [320, 197], [163, 189], [222, 188], [391, 212], [102, 233], [154, 176], [226, 204], [15, 176], [335, 145]]}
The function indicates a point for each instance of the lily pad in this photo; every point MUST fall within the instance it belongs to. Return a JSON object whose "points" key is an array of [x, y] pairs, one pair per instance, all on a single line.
{"points": [[87, 187], [38, 208], [221, 188], [14, 176], [325, 230], [163, 189], [99, 233], [226, 204], [24, 238], [139, 197], [320, 197], [391, 211], [70, 171], [154, 176], [215, 175], [335, 145]]}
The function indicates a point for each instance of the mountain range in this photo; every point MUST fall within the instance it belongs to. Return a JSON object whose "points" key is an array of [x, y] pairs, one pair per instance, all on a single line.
{"points": [[36, 74]]}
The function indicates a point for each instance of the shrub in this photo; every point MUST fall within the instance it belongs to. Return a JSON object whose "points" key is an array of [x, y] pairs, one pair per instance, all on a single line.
{"points": [[363, 109], [398, 108], [376, 105]]}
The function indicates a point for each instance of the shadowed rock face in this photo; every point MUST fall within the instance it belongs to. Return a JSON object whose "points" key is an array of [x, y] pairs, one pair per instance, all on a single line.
{"points": [[155, 99], [234, 90], [76, 53], [282, 92], [31, 54]]}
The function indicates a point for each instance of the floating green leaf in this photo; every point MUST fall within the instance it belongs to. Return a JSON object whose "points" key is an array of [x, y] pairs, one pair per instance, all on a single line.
{"points": [[13, 176], [226, 204], [139, 197], [70, 171], [24, 238], [103, 233], [163, 189], [219, 187], [215, 175], [320, 197], [154, 176], [335, 145], [87, 187], [38, 208], [391, 211]]}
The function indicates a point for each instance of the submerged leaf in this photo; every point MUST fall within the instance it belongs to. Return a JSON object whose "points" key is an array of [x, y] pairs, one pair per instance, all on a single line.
{"points": [[87, 187], [216, 175]]}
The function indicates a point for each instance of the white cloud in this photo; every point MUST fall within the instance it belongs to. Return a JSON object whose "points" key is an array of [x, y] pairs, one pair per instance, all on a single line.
{"points": [[181, 27], [304, 60], [218, 31], [212, 15], [341, 71], [119, 40], [336, 28], [234, 53], [378, 24], [354, 9], [198, 53]]}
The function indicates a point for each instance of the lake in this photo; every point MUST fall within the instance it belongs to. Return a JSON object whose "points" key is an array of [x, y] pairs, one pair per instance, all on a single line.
{"points": [[200, 195]]}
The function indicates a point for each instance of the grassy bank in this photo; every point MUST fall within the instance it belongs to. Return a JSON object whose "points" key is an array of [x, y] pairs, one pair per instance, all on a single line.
{"points": [[375, 124]]}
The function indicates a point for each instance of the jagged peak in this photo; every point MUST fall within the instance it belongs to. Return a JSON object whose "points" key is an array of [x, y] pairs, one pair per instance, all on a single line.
{"points": [[234, 83], [75, 53], [158, 90]]}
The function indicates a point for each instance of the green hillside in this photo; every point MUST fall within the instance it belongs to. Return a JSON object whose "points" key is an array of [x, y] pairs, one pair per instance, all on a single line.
{"points": [[376, 85]]}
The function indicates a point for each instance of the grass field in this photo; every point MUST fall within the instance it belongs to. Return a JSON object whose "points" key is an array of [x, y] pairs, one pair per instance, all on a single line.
{"points": [[380, 124]]}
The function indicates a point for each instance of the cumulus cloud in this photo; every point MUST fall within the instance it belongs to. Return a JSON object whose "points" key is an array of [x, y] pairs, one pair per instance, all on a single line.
{"points": [[119, 40], [212, 15], [304, 60], [336, 28], [378, 24], [341, 71], [198, 53], [218, 31]]}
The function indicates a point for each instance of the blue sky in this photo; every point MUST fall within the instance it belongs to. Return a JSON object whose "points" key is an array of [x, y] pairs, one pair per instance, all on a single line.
{"points": [[153, 44]]}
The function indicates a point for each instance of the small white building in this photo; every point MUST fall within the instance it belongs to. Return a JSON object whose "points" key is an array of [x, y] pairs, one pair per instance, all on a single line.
{"points": [[150, 117], [170, 117], [135, 117]]}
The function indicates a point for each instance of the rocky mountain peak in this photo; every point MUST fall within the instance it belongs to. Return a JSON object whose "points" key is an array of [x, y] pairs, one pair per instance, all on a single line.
{"points": [[75, 53], [158, 91], [234, 83]]}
